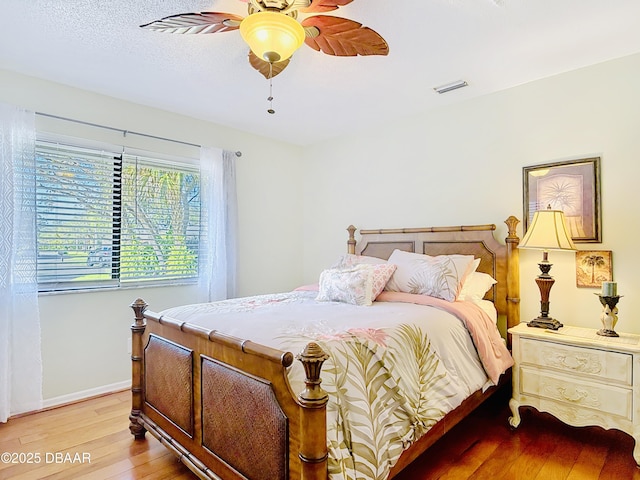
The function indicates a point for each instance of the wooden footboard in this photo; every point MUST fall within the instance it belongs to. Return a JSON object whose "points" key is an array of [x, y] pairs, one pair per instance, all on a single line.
{"points": [[223, 404]]}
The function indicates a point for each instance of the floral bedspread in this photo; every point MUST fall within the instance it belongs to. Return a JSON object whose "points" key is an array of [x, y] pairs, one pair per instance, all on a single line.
{"points": [[386, 388], [394, 369]]}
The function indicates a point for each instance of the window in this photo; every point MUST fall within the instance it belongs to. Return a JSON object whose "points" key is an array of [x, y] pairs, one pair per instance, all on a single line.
{"points": [[109, 220]]}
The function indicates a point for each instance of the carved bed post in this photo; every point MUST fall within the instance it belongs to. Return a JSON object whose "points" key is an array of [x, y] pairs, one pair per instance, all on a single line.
{"points": [[513, 275], [351, 243], [137, 329], [313, 416]]}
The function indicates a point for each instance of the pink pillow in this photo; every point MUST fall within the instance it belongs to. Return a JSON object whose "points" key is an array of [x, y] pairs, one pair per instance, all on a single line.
{"points": [[381, 274]]}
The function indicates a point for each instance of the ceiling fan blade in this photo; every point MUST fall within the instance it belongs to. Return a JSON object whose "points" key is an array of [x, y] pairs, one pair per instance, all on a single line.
{"points": [[318, 6], [264, 67], [344, 38], [205, 22]]}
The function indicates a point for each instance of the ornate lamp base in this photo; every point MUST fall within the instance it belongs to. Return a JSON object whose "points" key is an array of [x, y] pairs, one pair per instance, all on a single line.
{"points": [[545, 282], [545, 322]]}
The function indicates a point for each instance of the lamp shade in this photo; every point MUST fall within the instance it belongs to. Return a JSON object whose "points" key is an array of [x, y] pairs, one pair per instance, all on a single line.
{"points": [[548, 231], [272, 36]]}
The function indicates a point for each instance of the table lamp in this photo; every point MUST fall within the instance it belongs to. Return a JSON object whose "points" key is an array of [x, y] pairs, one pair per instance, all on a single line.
{"points": [[547, 231]]}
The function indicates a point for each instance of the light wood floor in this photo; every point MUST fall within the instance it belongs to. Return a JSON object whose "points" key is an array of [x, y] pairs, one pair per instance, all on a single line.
{"points": [[98, 427], [482, 448]]}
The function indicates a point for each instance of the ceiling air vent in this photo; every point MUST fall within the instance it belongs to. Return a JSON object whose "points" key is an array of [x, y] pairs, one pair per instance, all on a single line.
{"points": [[451, 86]]}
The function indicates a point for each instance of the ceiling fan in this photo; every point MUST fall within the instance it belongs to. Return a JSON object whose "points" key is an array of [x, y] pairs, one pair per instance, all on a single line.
{"points": [[273, 32]]}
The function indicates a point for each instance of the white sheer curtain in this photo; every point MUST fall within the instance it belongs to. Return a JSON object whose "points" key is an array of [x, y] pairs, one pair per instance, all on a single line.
{"points": [[220, 219], [20, 352]]}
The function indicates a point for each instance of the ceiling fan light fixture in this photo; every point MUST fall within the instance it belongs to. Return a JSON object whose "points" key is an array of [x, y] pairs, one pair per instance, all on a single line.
{"points": [[272, 36]]}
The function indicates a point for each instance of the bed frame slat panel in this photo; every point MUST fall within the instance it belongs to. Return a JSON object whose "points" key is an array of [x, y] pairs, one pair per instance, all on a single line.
{"points": [[242, 422], [169, 381]]}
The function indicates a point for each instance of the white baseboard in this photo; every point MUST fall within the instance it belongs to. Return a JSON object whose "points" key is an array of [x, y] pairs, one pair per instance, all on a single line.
{"points": [[84, 394]]}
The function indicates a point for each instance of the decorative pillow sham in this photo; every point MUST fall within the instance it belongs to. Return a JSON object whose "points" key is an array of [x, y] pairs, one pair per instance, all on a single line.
{"points": [[475, 286], [349, 259], [347, 284], [439, 276], [382, 270]]}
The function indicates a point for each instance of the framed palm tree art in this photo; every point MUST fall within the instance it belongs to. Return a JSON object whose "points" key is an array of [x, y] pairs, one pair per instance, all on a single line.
{"points": [[572, 186], [593, 267]]}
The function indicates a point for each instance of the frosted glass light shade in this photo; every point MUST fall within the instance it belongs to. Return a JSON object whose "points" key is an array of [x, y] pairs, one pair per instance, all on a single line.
{"points": [[272, 36], [548, 231]]}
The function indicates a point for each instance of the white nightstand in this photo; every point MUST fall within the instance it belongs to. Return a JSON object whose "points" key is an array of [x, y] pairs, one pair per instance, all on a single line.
{"points": [[579, 377]]}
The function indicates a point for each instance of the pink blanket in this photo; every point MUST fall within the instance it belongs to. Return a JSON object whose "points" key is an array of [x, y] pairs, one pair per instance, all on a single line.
{"points": [[493, 353]]}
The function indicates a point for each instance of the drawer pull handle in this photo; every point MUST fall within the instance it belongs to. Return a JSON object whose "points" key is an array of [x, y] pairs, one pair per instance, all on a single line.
{"points": [[584, 364], [574, 396]]}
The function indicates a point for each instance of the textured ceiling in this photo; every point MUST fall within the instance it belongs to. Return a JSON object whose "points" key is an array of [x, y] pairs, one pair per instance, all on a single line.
{"points": [[97, 45]]}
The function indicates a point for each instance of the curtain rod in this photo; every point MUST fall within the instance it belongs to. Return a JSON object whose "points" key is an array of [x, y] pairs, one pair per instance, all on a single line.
{"points": [[124, 132]]}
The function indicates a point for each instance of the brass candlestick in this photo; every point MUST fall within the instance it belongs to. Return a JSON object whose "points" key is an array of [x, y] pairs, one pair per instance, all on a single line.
{"points": [[609, 315]]}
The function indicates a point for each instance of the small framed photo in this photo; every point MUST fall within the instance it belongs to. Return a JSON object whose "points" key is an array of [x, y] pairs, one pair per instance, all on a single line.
{"points": [[572, 186], [593, 267]]}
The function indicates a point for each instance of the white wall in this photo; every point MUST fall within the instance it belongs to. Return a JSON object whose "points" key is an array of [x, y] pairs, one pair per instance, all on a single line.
{"points": [[84, 335], [463, 165]]}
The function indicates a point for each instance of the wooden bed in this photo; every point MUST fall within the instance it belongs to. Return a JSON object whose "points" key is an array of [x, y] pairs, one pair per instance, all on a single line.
{"points": [[179, 370]]}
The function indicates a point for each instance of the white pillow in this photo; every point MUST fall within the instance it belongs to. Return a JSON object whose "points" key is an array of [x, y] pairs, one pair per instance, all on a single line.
{"points": [[347, 284], [439, 276], [475, 286], [474, 266]]}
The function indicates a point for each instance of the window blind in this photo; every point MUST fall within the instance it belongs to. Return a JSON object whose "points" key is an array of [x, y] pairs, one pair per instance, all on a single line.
{"points": [[161, 220], [108, 220], [77, 198]]}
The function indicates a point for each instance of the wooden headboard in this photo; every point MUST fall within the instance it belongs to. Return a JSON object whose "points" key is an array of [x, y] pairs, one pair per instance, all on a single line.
{"points": [[498, 259]]}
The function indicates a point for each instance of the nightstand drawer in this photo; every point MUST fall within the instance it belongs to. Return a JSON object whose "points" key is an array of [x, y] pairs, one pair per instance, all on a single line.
{"points": [[604, 398], [598, 364]]}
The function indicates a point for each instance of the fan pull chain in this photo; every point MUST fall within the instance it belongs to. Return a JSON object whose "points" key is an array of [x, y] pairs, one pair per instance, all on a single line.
{"points": [[270, 97]]}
